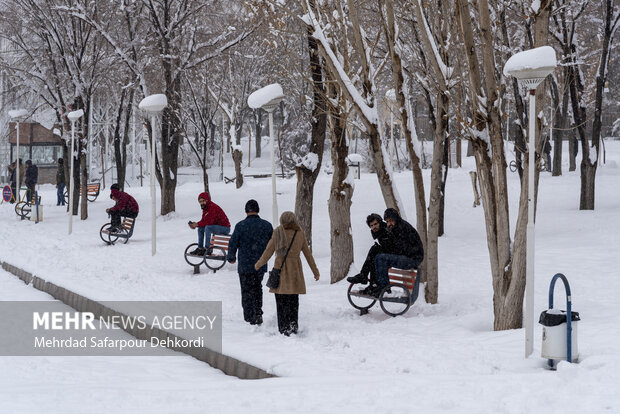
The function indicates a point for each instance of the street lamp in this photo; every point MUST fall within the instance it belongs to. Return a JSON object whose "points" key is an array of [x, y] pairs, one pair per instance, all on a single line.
{"points": [[153, 105], [17, 115], [531, 67], [73, 116], [268, 98]]}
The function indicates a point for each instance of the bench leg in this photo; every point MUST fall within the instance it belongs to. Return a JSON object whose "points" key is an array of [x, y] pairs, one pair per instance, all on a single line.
{"points": [[196, 269], [363, 311]]}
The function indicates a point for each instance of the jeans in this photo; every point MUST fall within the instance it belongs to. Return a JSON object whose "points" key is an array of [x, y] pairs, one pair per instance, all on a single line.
{"points": [[252, 296], [204, 233], [384, 261], [60, 195], [115, 216]]}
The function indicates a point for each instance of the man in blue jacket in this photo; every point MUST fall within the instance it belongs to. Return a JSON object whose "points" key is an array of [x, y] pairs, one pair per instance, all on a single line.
{"points": [[250, 237]]}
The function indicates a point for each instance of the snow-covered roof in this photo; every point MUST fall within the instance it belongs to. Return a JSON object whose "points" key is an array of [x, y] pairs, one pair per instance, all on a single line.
{"points": [[533, 63], [265, 95], [153, 103]]}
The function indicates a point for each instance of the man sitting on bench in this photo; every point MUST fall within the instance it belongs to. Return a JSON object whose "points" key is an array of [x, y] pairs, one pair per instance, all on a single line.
{"points": [[126, 206], [407, 253], [383, 243], [213, 221]]}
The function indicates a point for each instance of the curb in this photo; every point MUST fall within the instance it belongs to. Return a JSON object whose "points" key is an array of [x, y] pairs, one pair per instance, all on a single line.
{"points": [[228, 365]]}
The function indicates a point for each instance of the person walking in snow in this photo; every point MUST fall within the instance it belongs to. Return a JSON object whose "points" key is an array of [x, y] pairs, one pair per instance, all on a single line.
{"points": [[213, 221], [292, 283], [60, 183], [250, 238], [126, 206], [383, 243], [32, 177], [407, 252]]}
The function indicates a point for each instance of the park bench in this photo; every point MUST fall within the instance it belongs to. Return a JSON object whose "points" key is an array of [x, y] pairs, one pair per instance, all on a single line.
{"points": [[24, 207], [92, 192], [126, 231], [214, 261], [395, 299]]}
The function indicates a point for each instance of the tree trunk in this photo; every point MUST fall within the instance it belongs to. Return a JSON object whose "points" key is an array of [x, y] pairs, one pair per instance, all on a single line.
{"points": [[306, 176], [258, 127], [339, 204], [444, 179], [237, 156], [431, 249]]}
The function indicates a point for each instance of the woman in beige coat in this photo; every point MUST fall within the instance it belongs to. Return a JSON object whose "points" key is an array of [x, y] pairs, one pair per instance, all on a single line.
{"points": [[292, 282]]}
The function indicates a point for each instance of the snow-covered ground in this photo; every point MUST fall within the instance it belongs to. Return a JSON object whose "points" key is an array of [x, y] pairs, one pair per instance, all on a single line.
{"points": [[443, 357]]}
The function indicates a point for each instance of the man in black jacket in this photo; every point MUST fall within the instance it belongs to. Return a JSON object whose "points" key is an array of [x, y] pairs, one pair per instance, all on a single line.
{"points": [[250, 237], [383, 243], [32, 177], [407, 252]]}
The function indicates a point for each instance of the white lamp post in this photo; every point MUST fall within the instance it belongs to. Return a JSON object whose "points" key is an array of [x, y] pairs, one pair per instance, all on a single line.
{"points": [[17, 115], [73, 116], [268, 98], [391, 96], [531, 67], [153, 105]]}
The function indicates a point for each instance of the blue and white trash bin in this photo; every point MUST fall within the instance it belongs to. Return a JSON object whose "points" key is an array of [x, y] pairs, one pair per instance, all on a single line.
{"points": [[559, 339], [554, 335]]}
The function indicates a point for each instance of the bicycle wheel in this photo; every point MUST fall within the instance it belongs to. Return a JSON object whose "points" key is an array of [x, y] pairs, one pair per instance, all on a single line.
{"points": [[105, 235], [18, 208], [217, 259], [358, 300], [395, 299], [193, 259]]}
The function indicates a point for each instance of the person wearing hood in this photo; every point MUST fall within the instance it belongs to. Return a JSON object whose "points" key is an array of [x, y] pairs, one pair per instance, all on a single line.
{"points": [[60, 183], [32, 177], [12, 172], [288, 236], [407, 251], [383, 243], [126, 206], [250, 239], [213, 221]]}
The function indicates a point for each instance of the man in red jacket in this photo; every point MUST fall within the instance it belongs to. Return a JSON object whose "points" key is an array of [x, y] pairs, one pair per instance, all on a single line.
{"points": [[214, 221], [126, 206]]}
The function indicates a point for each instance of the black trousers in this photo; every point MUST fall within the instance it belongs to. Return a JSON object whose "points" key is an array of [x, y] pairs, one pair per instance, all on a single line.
{"points": [[288, 312], [115, 216], [368, 268], [252, 296]]}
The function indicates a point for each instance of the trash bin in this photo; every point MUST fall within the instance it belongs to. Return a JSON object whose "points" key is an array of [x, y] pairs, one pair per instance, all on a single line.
{"points": [[554, 336], [355, 162]]}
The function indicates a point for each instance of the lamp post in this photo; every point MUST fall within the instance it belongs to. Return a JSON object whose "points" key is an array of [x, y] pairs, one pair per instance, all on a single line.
{"points": [[531, 67], [153, 105], [268, 98], [17, 115], [391, 96], [73, 116]]}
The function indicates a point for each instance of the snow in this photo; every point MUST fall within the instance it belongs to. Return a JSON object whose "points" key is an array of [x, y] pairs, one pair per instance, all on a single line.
{"points": [[153, 103], [310, 161], [340, 362], [532, 63], [75, 115], [265, 95], [355, 158], [18, 113], [535, 6]]}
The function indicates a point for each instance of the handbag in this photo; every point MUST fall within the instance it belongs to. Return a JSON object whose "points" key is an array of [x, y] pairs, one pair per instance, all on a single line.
{"points": [[274, 274]]}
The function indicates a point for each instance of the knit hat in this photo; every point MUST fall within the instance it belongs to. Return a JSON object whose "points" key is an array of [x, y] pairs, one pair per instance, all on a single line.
{"points": [[392, 214], [252, 206]]}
